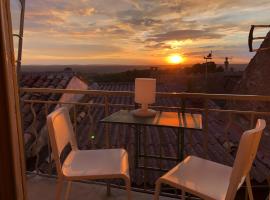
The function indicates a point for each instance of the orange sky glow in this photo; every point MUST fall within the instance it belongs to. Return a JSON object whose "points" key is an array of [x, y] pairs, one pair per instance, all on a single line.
{"points": [[138, 32]]}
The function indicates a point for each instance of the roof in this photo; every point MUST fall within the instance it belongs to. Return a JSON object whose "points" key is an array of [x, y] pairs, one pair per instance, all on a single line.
{"points": [[59, 80]]}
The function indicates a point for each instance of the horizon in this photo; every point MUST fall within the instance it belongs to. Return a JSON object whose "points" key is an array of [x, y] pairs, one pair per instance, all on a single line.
{"points": [[133, 65], [100, 68], [138, 32]]}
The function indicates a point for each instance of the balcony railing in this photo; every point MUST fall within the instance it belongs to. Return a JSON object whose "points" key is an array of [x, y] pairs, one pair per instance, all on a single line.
{"points": [[203, 104]]}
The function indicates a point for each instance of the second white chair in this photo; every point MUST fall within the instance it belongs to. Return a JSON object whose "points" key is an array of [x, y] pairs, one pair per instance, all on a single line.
{"points": [[83, 164], [214, 181]]}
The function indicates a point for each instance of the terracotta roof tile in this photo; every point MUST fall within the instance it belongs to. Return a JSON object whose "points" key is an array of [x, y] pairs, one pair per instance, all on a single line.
{"points": [[40, 80]]}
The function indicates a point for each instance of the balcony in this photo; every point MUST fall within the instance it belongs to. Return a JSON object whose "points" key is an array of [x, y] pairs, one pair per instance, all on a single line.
{"points": [[225, 117], [43, 188], [224, 120]]}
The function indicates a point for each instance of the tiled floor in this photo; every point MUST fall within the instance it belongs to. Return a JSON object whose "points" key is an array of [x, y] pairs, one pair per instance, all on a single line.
{"points": [[40, 188]]}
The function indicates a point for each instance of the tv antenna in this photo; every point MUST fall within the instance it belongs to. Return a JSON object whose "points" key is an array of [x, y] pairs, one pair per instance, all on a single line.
{"points": [[207, 58], [227, 63]]}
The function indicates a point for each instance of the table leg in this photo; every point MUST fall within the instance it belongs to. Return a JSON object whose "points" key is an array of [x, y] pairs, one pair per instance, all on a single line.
{"points": [[137, 145], [144, 158], [181, 144]]}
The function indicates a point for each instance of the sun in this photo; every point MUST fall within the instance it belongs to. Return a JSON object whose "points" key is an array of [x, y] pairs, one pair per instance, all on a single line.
{"points": [[175, 59]]}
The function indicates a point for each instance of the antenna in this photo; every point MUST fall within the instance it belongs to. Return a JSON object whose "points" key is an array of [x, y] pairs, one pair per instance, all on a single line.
{"points": [[207, 58], [226, 63], [251, 38]]}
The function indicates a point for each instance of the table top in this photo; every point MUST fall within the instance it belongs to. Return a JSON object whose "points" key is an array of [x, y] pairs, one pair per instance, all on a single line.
{"points": [[162, 119]]}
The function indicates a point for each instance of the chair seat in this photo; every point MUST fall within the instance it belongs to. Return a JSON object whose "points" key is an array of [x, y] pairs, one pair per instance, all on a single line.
{"points": [[96, 164], [206, 179]]}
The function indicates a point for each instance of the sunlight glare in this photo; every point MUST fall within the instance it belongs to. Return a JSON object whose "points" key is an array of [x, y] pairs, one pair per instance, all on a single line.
{"points": [[175, 59]]}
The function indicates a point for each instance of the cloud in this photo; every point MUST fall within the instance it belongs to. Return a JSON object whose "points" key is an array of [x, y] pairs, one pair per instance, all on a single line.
{"points": [[208, 47], [185, 35], [74, 49], [86, 11], [135, 3], [141, 27], [160, 45], [148, 22]]}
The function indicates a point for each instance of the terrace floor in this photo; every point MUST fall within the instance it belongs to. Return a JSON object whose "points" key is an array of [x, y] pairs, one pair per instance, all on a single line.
{"points": [[41, 188]]}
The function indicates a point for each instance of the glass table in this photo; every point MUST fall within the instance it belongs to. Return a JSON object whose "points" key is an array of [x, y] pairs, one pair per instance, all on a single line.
{"points": [[179, 120]]}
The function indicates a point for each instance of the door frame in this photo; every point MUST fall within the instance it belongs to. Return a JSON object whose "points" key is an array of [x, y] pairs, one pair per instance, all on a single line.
{"points": [[12, 162]]}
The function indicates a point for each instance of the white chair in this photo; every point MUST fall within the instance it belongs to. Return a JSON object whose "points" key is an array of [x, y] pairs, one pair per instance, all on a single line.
{"points": [[213, 181], [86, 164]]}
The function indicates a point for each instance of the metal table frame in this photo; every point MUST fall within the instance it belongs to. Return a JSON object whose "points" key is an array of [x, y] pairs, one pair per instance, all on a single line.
{"points": [[179, 120]]}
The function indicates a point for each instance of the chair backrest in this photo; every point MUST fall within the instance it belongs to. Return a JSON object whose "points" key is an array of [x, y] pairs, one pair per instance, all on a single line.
{"points": [[245, 156], [61, 133]]}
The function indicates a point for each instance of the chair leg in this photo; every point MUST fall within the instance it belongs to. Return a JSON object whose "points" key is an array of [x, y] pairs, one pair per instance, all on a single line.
{"points": [[249, 188], [108, 188], [59, 187], [68, 190], [157, 189], [128, 187]]}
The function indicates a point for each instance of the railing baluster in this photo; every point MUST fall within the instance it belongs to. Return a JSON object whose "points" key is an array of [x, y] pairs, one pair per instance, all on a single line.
{"points": [[205, 128], [160, 149], [75, 122], [33, 127], [91, 119], [252, 118], [183, 105], [107, 136], [49, 144], [190, 138], [227, 128], [183, 110]]}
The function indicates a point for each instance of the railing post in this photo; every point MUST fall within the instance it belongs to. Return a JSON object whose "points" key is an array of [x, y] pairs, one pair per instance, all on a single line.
{"points": [[93, 125], [107, 137], [205, 128], [183, 105], [252, 117], [75, 122], [181, 132], [33, 126], [49, 143], [227, 128]]}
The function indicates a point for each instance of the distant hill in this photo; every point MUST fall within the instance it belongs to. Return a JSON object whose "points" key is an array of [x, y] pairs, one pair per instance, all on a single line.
{"points": [[100, 69], [84, 68]]}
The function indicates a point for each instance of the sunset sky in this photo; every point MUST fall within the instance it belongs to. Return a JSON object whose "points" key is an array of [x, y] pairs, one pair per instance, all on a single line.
{"points": [[139, 31]]}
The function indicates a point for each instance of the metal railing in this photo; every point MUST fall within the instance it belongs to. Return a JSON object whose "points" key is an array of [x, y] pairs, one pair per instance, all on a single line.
{"points": [[183, 98]]}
